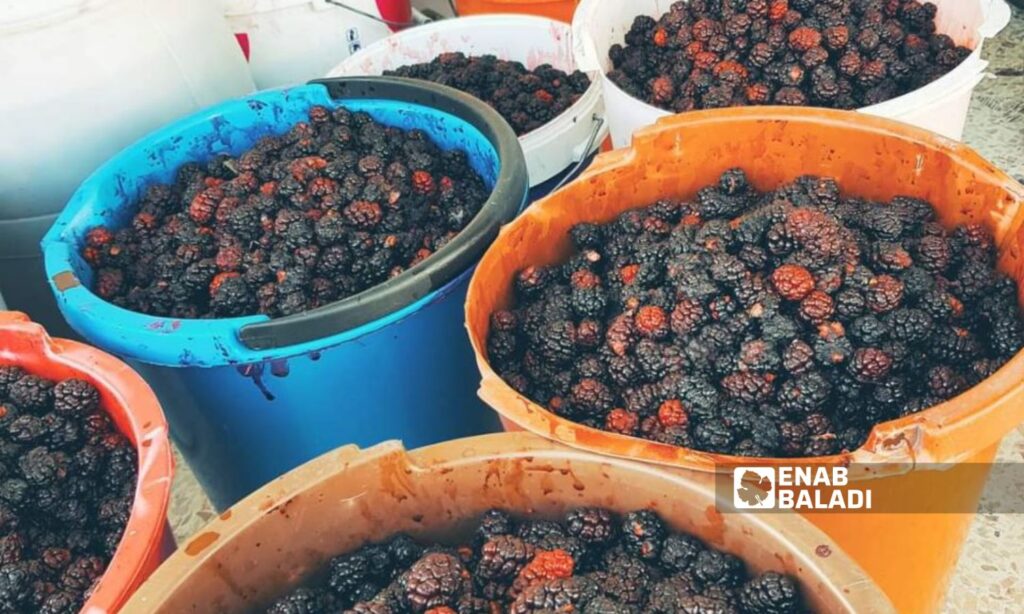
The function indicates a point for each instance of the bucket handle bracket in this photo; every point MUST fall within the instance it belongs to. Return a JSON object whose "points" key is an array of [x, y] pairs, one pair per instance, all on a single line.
{"points": [[582, 154]]}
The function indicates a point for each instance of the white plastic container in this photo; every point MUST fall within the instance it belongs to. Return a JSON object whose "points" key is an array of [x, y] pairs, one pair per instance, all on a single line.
{"points": [[292, 41], [82, 79], [551, 149], [940, 106]]}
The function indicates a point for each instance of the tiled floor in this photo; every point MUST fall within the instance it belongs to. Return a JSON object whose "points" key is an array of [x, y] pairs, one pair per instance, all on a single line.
{"points": [[990, 574]]}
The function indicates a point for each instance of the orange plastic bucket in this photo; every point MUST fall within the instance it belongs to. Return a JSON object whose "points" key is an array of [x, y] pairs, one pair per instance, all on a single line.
{"points": [[134, 409], [561, 10], [348, 497], [910, 555]]}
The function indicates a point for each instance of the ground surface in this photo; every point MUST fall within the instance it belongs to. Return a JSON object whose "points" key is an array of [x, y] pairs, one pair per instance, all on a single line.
{"points": [[990, 574]]}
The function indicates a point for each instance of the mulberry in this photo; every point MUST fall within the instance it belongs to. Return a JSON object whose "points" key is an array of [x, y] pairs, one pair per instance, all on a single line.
{"points": [[625, 579], [945, 382], [75, 398], [804, 394], [591, 397], [884, 294], [771, 593], [31, 393], [594, 526], [870, 364], [503, 557], [545, 566], [714, 435], [302, 601], [437, 579], [798, 357], [718, 568], [686, 317], [679, 552], [555, 595], [643, 533]]}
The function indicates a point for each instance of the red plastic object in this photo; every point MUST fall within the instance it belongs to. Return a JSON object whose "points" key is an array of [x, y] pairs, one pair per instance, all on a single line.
{"points": [[243, 42], [134, 409], [561, 10], [395, 11]]}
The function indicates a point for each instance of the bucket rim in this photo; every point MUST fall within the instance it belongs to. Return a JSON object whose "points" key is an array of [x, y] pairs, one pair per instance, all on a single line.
{"points": [[146, 428], [966, 72], [894, 446], [846, 581], [450, 27], [588, 103], [589, 100], [169, 341]]}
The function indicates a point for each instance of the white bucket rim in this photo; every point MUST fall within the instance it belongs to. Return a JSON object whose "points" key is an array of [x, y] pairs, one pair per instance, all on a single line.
{"points": [[970, 71], [449, 26], [349, 66], [538, 138]]}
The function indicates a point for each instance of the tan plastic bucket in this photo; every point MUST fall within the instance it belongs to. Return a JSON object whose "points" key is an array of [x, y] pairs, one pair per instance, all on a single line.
{"points": [[910, 555], [292, 526]]}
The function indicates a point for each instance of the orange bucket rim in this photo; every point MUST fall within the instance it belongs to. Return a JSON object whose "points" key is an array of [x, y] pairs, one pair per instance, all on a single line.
{"points": [[148, 428], [897, 444]]}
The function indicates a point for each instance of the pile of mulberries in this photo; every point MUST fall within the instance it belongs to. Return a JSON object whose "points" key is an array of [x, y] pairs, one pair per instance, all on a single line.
{"points": [[334, 206], [527, 99], [591, 562], [769, 324], [67, 484], [843, 54]]}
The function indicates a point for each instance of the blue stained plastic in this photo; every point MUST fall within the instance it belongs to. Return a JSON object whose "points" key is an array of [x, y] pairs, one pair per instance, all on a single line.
{"points": [[243, 416], [240, 426]]}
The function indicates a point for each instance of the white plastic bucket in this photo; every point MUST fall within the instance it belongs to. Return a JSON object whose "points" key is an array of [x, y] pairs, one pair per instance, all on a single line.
{"points": [[551, 149], [292, 41], [82, 79], [940, 106]]}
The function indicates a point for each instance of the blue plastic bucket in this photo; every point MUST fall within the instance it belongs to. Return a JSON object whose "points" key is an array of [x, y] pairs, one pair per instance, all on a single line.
{"points": [[251, 398]]}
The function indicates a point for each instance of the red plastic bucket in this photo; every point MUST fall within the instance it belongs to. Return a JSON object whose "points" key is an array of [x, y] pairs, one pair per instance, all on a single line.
{"points": [[134, 409]]}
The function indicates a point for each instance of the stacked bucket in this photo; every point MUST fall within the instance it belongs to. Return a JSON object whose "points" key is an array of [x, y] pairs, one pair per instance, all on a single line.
{"points": [[269, 413]]}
